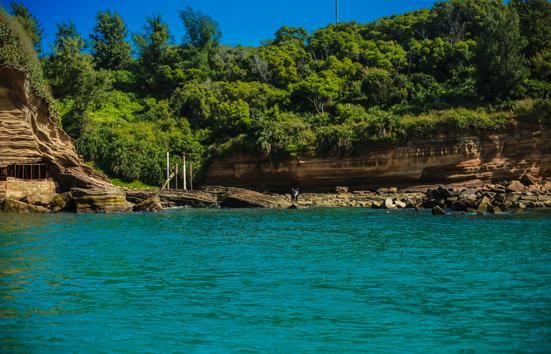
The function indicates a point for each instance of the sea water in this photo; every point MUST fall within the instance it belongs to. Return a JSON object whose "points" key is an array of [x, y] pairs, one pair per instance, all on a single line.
{"points": [[281, 281]]}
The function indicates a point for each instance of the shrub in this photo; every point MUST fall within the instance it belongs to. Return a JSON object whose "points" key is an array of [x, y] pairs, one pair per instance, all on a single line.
{"points": [[17, 52]]}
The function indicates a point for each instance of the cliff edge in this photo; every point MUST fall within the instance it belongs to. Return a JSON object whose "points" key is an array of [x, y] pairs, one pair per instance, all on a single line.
{"points": [[34, 150]]}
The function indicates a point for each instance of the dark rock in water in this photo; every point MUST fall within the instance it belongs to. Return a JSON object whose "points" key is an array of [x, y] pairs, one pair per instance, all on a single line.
{"points": [[16, 206], [438, 211], [459, 206], [471, 210], [443, 192], [293, 207], [515, 186], [150, 204]]}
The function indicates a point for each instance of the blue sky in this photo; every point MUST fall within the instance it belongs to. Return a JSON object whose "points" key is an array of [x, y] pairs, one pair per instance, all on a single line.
{"points": [[245, 22]]}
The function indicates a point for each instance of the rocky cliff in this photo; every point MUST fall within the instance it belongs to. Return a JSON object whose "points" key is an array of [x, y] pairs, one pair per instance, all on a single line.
{"points": [[447, 158], [28, 135]]}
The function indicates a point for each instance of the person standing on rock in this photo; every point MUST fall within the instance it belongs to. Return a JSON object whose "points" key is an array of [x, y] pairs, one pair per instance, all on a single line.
{"points": [[294, 195]]}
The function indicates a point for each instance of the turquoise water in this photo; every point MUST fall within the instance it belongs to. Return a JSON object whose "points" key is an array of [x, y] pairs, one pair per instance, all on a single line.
{"points": [[325, 280]]}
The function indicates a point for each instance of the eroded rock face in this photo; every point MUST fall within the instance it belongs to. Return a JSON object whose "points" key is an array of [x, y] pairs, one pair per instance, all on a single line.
{"points": [[522, 148], [28, 135]]}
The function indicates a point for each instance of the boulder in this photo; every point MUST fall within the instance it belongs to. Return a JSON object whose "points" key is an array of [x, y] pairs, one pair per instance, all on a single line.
{"points": [[38, 199], [495, 209], [515, 186], [400, 204], [100, 200], [231, 197], [16, 206], [194, 199], [528, 180], [376, 205], [444, 192], [393, 190], [389, 204], [151, 204], [483, 205], [438, 211], [341, 190], [61, 201], [459, 206]]}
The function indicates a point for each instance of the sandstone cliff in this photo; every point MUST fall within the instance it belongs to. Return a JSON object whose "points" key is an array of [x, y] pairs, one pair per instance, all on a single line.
{"points": [[28, 135], [447, 158]]}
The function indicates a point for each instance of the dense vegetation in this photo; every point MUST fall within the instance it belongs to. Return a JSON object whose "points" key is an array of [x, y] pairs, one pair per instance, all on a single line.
{"points": [[464, 64]]}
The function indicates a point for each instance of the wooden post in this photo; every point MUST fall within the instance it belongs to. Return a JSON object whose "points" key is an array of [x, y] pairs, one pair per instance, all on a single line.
{"points": [[184, 171], [176, 179], [191, 176], [168, 168]]}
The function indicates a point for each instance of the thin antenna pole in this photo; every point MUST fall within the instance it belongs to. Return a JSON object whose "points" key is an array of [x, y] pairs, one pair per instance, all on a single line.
{"points": [[336, 11]]}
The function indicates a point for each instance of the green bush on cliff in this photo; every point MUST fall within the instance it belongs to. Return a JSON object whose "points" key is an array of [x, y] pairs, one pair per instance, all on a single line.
{"points": [[17, 52]]}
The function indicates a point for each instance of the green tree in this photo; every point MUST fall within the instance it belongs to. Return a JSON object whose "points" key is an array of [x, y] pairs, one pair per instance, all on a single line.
{"points": [[501, 68], [202, 31], [317, 92], [152, 46], [291, 34], [109, 46], [535, 24], [29, 22]]}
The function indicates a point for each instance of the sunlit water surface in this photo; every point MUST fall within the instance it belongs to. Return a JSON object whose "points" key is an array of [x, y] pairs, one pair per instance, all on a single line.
{"points": [[324, 280]]}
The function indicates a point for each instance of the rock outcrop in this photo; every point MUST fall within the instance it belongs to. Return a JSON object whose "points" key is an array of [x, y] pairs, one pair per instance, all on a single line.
{"points": [[448, 158], [100, 201], [29, 136], [16, 206]]}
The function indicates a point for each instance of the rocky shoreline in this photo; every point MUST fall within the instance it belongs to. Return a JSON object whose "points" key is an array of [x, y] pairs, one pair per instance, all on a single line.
{"points": [[528, 192]]}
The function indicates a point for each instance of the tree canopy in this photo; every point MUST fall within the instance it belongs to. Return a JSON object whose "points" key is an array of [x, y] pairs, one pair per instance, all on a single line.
{"points": [[463, 65]]}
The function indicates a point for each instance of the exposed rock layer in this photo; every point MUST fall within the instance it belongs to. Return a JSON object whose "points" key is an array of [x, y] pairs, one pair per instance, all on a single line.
{"points": [[28, 135], [448, 158]]}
